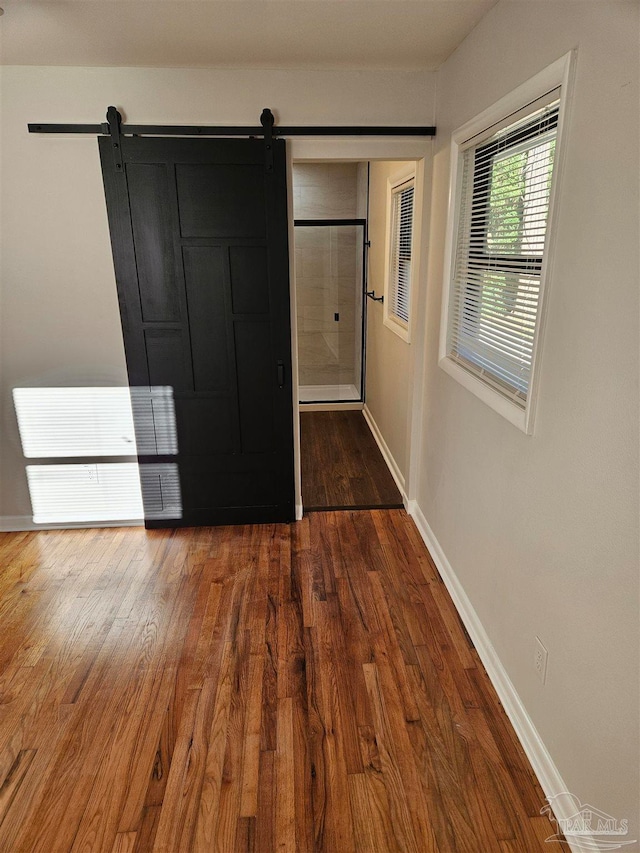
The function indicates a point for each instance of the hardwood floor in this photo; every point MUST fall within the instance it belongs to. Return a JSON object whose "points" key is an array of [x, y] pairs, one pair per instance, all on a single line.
{"points": [[304, 687], [342, 466]]}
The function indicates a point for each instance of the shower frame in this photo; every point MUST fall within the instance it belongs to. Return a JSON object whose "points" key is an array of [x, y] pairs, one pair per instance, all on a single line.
{"points": [[360, 223]]}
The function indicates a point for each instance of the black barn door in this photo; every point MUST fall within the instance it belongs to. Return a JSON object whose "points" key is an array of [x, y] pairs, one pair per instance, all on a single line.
{"points": [[200, 246]]}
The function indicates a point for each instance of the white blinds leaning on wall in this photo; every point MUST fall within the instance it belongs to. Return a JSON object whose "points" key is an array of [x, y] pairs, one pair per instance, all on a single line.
{"points": [[401, 236], [500, 243]]}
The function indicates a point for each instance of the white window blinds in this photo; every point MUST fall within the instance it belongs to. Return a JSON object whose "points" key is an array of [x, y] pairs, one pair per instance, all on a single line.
{"points": [[499, 248], [401, 237]]}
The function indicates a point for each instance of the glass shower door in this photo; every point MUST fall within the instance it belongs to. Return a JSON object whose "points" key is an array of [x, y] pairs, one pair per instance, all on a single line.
{"points": [[329, 292]]}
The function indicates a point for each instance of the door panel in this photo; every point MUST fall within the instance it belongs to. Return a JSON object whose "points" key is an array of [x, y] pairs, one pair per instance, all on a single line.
{"points": [[205, 280], [167, 358], [249, 279], [199, 238], [205, 423], [256, 371], [221, 201], [150, 218]]}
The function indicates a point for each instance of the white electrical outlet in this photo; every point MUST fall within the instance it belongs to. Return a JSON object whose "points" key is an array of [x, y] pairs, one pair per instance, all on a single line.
{"points": [[540, 660]]}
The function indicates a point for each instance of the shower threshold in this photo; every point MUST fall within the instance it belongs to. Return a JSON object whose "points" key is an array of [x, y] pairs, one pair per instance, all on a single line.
{"points": [[328, 393]]}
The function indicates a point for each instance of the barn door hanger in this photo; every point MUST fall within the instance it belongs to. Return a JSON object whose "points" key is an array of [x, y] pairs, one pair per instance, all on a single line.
{"points": [[114, 123], [267, 120]]}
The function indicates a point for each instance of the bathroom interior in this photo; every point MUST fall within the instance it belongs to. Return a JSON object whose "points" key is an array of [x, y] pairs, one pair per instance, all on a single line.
{"points": [[333, 266], [330, 212]]}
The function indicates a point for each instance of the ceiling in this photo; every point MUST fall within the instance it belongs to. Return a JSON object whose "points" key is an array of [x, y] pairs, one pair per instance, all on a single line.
{"points": [[268, 34]]}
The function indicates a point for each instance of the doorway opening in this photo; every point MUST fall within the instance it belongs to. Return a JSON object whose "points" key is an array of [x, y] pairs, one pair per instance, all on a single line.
{"points": [[353, 352]]}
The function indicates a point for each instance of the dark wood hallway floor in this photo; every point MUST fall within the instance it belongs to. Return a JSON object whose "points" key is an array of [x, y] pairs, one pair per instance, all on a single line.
{"points": [[303, 687], [342, 466]]}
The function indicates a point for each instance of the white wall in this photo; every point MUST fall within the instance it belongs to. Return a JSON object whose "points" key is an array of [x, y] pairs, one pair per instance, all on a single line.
{"points": [[388, 355], [60, 322], [542, 530]]}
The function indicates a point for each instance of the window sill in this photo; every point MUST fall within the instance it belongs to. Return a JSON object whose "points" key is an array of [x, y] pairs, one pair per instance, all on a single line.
{"points": [[520, 418], [400, 329]]}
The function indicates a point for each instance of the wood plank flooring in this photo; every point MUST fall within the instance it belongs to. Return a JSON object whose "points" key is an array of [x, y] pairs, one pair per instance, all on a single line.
{"points": [[304, 687], [342, 466]]}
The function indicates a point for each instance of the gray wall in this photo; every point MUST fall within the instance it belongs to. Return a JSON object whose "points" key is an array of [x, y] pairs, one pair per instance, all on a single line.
{"points": [[388, 368], [542, 530]]}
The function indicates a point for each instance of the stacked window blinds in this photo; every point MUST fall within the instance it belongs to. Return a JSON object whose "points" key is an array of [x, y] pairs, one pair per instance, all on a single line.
{"points": [[502, 227], [402, 228]]}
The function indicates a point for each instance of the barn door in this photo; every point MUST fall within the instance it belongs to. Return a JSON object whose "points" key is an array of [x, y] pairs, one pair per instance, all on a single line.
{"points": [[199, 238]]}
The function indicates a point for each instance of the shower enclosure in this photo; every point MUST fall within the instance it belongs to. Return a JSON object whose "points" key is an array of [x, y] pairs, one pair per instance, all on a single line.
{"points": [[330, 266]]}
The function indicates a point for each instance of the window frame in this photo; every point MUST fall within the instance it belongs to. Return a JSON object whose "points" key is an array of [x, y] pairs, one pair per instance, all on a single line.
{"points": [[508, 110], [395, 185]]}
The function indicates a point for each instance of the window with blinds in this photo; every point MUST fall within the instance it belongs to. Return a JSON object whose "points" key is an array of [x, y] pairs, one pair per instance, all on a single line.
{"points": [[499, 250], [506, 166], [399, 285]]}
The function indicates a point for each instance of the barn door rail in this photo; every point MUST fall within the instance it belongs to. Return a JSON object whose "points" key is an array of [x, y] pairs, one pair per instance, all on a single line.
{"points": [[266, 128]]}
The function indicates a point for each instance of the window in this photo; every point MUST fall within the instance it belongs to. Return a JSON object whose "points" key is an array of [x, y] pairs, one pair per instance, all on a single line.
{"points": [[398, 283], [504, 184]]}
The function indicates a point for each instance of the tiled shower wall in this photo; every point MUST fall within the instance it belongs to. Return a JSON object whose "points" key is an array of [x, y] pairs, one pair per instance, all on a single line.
{"points": [[325, 190], [329, 272]]}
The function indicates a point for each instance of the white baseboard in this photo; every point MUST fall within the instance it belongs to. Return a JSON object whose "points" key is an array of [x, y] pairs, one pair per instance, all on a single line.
{"points": [[543, 765], [18, 523], [396, 473]]}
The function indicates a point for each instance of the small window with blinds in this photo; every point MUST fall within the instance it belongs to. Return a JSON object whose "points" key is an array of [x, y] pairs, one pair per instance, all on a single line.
{"points": [[500, 228], [398, 291]]}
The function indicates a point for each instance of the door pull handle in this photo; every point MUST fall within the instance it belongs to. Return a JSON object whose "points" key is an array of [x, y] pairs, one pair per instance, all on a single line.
{"points": [[281, 374]]}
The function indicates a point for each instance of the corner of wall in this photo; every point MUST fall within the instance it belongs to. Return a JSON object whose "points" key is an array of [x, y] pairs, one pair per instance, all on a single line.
{"points": [[396, 473], [539, 756]]}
